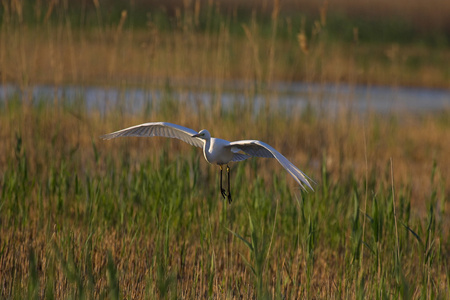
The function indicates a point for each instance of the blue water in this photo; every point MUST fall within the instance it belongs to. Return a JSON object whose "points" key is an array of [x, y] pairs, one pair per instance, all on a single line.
{"points": [[289, 97]]}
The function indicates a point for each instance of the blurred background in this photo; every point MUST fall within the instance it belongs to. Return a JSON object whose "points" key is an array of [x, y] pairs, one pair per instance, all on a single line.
{"points": [[355, 93], [143, 42]]}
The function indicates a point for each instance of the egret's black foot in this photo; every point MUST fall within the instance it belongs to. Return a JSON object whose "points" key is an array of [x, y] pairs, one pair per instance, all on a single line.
{"points": [[224, 194], [229, 184]]}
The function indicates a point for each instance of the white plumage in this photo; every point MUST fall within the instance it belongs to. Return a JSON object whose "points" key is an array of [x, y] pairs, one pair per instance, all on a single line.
{"points": [[216, 151]]}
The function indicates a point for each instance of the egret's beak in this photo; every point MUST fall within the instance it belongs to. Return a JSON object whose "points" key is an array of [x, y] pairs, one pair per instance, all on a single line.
{"points": [[196, 135]]}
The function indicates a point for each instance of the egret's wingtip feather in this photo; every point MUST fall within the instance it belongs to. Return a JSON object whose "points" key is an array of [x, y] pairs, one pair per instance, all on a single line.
{"points": [[162, 129], [110, 136], [261, 149], [302, 186]]}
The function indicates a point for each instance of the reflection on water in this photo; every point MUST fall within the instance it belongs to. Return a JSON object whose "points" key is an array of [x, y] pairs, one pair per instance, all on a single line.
{"points": [[289, 97]]}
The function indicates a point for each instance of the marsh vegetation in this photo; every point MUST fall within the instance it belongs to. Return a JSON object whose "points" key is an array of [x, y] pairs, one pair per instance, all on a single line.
{"points": [[141, 218]]}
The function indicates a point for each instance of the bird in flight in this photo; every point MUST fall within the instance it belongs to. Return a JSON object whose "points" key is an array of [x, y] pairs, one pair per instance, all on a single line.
{"points": [[216, 151]]}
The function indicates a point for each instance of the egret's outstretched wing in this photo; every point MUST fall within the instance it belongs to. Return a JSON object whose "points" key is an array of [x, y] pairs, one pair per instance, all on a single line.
{"points": [[260, 149], [159, 129], [240, 157]]}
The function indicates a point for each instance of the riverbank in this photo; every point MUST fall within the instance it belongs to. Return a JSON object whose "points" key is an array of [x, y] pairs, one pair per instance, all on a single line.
{"points": [[118, 49]]}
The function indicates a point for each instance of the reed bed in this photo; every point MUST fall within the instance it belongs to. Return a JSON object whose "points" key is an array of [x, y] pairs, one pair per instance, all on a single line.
{"points": [[143, 218], [72, 45], [134, 218]]}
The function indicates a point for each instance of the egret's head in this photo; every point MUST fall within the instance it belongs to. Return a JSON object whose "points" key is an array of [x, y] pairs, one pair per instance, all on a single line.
{"points": [[203, 134]]}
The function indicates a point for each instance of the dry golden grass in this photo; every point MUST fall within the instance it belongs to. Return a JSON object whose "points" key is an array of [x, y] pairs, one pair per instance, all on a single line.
{"points": [[68, 199], [117, 55], [345, 141], [58, 141]]}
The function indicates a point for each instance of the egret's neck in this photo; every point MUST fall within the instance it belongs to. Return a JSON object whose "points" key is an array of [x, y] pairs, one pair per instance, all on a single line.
{"points": [[206, 147]]}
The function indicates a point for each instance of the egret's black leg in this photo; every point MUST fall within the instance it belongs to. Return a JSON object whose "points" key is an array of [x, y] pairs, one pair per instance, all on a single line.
{"points": [[229, 183], [221, 189]]}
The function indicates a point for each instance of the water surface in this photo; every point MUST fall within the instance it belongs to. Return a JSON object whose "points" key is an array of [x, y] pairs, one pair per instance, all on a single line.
{"points": [[289, 97]]}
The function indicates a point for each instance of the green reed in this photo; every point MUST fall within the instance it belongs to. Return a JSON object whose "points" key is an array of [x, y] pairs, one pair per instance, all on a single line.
{"points": [[114, 219]]}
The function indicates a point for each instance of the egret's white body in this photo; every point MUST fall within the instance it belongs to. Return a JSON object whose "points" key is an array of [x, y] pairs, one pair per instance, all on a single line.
{"points": [[216, 151]]}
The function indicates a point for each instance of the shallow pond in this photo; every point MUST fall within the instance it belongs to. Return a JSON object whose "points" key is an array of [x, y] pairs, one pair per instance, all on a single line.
{"points": [[288, 97]]}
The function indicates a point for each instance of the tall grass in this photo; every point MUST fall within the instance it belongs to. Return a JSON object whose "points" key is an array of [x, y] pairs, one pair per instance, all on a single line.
{"points": [[143, 218], [86, 218], [96, 45]]}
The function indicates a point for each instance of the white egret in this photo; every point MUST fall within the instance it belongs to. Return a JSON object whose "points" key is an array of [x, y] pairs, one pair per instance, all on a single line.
{"points": [[216, 151]]}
